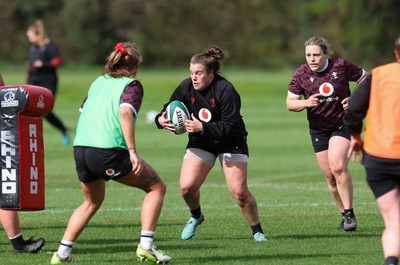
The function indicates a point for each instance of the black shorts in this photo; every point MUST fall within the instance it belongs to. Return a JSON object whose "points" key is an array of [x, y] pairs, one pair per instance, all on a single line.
{"points": [[382, 181], [383, 174], [320, 139], [95, 163]]}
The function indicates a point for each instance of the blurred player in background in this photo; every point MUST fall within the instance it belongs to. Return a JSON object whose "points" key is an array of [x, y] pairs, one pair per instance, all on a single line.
{"points": [[10, 222], [324, 84], [378, 99], [44, 57], [216, 130], [105, 148]]}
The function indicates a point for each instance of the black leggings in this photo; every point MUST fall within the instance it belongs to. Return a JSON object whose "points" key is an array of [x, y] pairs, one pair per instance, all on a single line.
{"points": [[56, 122], [49, 82]]}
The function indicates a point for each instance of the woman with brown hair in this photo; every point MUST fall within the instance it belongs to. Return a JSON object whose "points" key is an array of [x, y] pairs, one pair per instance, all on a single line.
{"points": [[216, 130], [105, 149]]}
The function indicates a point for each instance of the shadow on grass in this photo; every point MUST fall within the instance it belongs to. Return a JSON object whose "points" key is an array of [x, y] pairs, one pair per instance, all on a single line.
{"points": [[340, 234]]}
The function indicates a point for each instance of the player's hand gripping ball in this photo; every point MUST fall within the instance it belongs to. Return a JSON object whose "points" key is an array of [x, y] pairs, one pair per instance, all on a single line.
{"points": [[177, 113]]}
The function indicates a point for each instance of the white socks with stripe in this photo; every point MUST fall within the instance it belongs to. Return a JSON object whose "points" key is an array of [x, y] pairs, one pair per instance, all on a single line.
{"points": [[65, 248], [146, 239]]}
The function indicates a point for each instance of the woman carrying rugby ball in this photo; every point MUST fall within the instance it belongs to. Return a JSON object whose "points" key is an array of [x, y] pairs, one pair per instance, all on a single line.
{"points": [[216, 129]]}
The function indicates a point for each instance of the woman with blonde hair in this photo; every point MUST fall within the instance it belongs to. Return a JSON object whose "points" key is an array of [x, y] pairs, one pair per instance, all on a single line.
{"points": [[321, 86], [43, 59]]}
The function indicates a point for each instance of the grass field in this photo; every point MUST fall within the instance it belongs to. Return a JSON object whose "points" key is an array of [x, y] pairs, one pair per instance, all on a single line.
{"points": [[297, 212]]}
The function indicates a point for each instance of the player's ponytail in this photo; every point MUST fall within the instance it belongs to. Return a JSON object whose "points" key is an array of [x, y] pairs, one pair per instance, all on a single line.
{"points": [[210, 58], [124, 60]]}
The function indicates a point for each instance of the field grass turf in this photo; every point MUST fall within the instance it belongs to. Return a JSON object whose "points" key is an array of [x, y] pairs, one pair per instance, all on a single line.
{"points": [[296, 210]]}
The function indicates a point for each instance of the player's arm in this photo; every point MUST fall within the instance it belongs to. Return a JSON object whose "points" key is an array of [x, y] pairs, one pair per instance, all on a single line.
{"points": [[127, 126], [354, 115], [358, 107], [128, 130], [130, 104], [296, 103], [356, 145], [362, 77], [54, 60], [161, 120]]}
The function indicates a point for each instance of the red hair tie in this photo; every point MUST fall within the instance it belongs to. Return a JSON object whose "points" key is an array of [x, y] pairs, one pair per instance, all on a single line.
{"points": [[120, 47]]}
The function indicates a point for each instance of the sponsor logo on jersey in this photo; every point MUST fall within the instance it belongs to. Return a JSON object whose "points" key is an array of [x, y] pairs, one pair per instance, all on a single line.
{"points": [[328, 99], [326, 89], [205, 115]]}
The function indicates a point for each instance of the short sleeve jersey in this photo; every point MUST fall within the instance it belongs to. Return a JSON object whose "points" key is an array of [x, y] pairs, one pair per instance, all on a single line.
{"points": [[333, 84], [133, 96]]}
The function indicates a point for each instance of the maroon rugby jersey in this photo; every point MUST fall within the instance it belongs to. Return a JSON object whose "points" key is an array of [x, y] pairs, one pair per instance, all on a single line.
{"points": [[333, 84], [133, 95]]}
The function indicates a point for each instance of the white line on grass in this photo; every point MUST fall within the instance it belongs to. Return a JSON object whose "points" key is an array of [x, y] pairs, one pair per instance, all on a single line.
{"points": [[261, 205]]}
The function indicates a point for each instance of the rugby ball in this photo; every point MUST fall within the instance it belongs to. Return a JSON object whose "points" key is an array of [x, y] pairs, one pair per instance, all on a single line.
{"points": [[177, 113]]}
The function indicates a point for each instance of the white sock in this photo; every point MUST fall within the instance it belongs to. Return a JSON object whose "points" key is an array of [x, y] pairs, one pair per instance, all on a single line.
{"points": [[146, 239], [65, 248]]}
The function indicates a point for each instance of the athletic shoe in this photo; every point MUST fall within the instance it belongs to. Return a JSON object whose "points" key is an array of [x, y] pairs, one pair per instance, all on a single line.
{"points": [[350, 222], [57, 260], [341, 224], [190, 228], [31, 246], [152, 255], [65, 139], [259, 237]]}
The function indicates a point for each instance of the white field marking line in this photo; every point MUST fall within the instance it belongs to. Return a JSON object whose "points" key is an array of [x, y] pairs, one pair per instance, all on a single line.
{"points": [[260, 205], [321, 186], [305, 186]]}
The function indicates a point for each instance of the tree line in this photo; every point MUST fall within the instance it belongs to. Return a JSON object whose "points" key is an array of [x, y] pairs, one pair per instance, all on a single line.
{"points": [[256, 33]]}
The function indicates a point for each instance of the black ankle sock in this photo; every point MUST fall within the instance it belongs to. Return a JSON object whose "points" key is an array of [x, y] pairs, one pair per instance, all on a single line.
{"points": [[18, 243], [351, 211], [391, 261], [256, 228], [196, 213]]}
